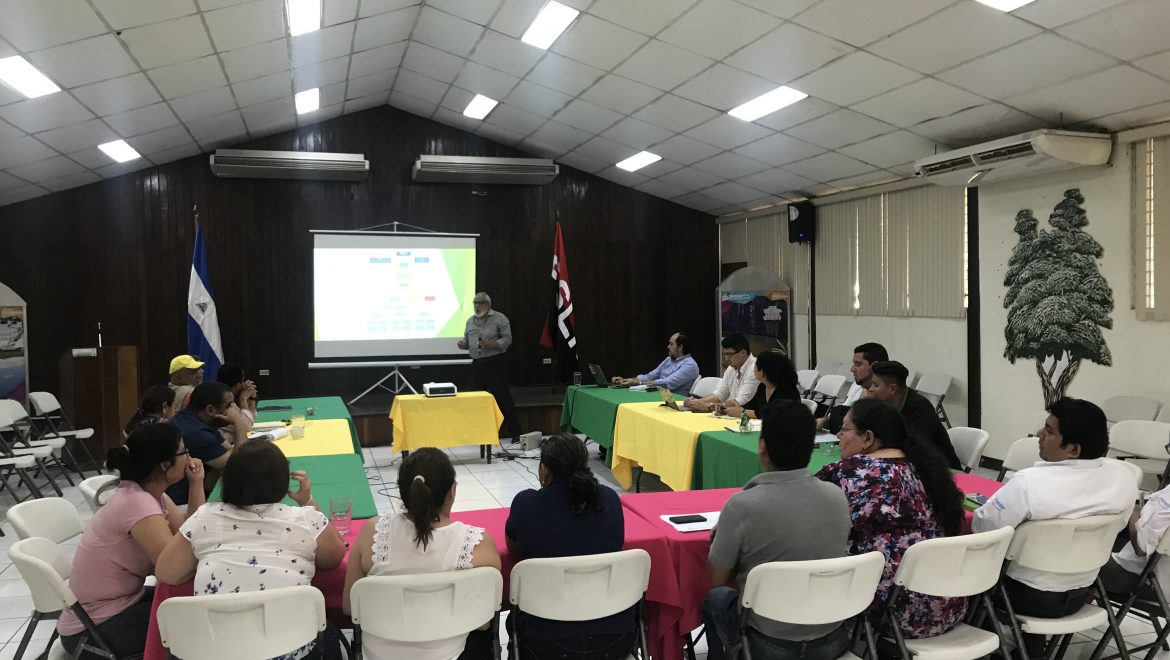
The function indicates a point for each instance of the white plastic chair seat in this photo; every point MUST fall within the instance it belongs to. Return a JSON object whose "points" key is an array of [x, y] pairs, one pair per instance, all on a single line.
{"points": [[90, 487], [80, 434], [52, 442], [1089, 616], [848, 656], [705, 386], [964, 642], [43, 451], [1147, 465], [22, 462], [810, 404]]}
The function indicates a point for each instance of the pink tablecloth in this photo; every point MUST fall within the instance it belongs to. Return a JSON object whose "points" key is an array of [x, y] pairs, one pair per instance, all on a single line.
{"points": [[330, 582]]}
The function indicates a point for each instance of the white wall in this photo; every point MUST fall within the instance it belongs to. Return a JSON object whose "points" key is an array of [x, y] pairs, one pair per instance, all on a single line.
{"points": [[1011, 393]]}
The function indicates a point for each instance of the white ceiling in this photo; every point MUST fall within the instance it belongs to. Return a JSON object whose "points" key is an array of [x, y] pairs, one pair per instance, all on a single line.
{"points": [[889, 82]]}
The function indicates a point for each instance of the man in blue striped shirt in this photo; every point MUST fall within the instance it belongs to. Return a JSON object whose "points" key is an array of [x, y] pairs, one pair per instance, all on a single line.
{"points": [[677, 373]]}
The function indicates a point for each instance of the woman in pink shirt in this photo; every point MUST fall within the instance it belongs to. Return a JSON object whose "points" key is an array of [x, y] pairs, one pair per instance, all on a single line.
{"points": [[125, 537]]}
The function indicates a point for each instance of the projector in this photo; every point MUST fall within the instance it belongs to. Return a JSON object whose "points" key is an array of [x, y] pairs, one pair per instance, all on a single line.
{"points": [[440, 389]]}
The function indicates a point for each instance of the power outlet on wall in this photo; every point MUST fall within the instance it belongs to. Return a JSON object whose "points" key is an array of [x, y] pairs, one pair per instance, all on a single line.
{"points": [[546, 361], [263, 372]]}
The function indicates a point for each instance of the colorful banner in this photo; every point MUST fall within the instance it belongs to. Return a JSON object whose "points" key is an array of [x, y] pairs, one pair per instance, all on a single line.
{"points": [[13, 361], [761, 316]]}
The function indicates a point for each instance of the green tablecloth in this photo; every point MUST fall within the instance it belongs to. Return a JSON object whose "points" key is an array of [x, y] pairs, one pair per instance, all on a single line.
{"points": [[328, 407], [340, 475], [725, 459], [592, 410]]}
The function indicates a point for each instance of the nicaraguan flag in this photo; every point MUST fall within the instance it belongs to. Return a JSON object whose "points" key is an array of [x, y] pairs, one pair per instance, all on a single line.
{"points": [[203, 340]]}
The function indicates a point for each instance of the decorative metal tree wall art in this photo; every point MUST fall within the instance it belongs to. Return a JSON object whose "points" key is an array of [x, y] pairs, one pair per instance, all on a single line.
{"points": [[1057, 299]]}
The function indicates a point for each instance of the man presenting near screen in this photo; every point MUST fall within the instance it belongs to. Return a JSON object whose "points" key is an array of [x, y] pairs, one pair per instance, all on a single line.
{"points": [[486, 338]]}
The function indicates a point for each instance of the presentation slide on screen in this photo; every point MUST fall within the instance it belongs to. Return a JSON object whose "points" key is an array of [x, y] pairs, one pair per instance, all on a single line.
{"points": [[391, 295]]}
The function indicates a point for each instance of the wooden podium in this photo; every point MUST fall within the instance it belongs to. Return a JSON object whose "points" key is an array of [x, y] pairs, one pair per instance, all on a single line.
{"points": [[100, 390]]}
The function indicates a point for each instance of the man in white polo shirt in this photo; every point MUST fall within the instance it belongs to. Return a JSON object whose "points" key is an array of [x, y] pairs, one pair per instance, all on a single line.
{"points": [[739, 379]]}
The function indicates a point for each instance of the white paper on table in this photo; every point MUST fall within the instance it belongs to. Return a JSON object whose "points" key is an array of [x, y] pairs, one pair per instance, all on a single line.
{"points": [[712, 517], [267, 426], [272, 434], [824, 437]]}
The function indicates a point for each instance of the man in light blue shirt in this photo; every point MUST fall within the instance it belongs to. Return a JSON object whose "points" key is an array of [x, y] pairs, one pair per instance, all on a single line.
{"points": [[677, 373]]}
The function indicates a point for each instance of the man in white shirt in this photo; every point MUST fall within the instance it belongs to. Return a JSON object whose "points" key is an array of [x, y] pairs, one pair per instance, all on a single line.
{"points": [[863, 358], [1147, 526], [1072, 480], [739, 379]]}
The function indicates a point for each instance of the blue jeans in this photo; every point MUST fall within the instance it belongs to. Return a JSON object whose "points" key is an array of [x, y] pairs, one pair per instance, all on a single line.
{"points": [[721, 615]]}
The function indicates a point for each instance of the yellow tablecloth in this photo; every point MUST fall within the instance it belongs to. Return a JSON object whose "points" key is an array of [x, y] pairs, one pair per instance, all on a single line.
{"points": [[468, 418], [660, 440], [323, 437]]}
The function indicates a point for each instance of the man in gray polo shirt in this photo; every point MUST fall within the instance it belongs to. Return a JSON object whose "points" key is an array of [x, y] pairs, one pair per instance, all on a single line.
{"points": [[486, 338], [783, 514]]}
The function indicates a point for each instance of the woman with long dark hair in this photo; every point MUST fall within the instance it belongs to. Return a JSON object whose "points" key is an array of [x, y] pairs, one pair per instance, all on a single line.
{"points": [[778, 381], [572, 514], [421, 539], [900, 492], [153, 407]]}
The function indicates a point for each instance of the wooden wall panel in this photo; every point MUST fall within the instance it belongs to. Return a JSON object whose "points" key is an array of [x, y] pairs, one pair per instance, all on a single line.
{"points": [[118, 251]]}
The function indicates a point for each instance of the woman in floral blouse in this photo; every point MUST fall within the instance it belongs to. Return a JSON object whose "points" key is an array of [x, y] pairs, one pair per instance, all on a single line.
{"points": [[900, 492]]}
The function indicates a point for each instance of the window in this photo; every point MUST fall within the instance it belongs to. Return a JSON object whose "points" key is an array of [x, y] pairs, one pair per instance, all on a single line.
{"points": [[1151, 222]]}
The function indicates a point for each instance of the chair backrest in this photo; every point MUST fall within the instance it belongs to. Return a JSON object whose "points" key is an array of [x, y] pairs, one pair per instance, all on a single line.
{"points": [[1139, 475], [807, 378], [1023, 453], [14, 412], [53, 518], [827, 368], [810, 404], [1066, 545], [1122, 407], [580, 588], [1164, 414], [813, 592], [912, 378], [845, 370], [45, 570], [1141, 438], [955, 566], [248, 626], [829, 385], [91, 488], [969, 444], [933, 386], [427, 606], [43, 403], [705, 386]]}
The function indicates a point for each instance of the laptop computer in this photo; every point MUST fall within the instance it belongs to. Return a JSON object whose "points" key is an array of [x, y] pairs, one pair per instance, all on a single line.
{"points": [[599, 377], [668, 399]]}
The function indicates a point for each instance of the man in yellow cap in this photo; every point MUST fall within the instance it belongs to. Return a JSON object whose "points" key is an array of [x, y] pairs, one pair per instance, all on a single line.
{"points": [[186, 372]]}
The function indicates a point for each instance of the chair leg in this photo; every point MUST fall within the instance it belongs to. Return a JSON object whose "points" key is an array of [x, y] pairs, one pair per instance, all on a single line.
{"points": [[988, 611], [1017, 634], [43, 468], [29, 483], [1113, 628], [689, 647], [1058, 651], [28, 633]]}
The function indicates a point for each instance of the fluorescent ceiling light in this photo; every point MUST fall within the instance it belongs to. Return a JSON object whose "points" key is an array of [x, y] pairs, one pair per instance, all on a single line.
{"points": [[767, 104], [308, 100], [479, 107], [24, 78], [119, 151], [638, 161], [1005, 5], [304, 16], [549, 24]]}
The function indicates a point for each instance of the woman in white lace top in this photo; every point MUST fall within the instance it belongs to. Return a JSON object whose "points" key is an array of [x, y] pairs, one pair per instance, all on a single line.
{"points": [[422, 539]]}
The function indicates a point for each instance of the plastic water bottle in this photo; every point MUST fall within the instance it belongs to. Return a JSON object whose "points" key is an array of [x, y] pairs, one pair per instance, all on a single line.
{"points": [[744, 422]]}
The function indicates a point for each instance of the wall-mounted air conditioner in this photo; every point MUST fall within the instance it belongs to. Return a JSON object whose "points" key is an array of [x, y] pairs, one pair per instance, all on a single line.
{"points": [[475, 169], [250, 164], [1027, 154]]}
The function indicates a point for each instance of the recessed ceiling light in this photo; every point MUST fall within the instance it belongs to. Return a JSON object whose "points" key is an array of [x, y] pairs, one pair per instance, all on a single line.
{"points": [[119, 151], [308, 100], [1005, 5], [24, 78], [549, 24], [479, 107], [304, 16], [766, 104], [638, 161]]}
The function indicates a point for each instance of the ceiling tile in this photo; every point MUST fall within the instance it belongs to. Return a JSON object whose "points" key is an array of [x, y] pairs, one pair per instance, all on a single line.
{"points": [[20, 194], [247, 24], [583, 162], [867, 21], [840, 128], [1127, 31], [779, 149], [606, 150], [862, 180], [828, 166], [515, 16], [23, 150], [373, 84], [36, 24], [209, 5], [372, 7], [263, 89], [45, 113], [384, 29], [72, 181], [675, 113], [186, 78], [730, 165], [514, 119], [78, 136], [331, 95], [45, 170], [320, 74], [160, 44], [484, 80], [853, 78], [322, 45], [9, 95], [91, 158], [83, 62], [918, 102], [788, 52], [539, 149], [716, 28], [171, 155], [587, 116], [699, 202], [584, 40], [559, 135], [142, 120], [638, 134], [961, 32], [728, 132], [118, 169], [425, 88], [620, 94], [1159, 65], [254, 61], [504, 53], [1054, 13], [338, 11], [645, 17], [660, 188], [986, 122], [893, 149], [218, 127], [732, 192], [118, 95], [537, 99], [431, 62], [9, 132], [499, 134], [121, 14], [204, 104], [563, 74], [662, 65], [1103, 93], [797, 113], [691, 179], [1051, 59], [326, 112], [723, 87], [446, 32], [1150, 114], [376, 59], [777, 181], [456, 100], [9, 182], [367, 102], [476, 11], [456, 118], [685, 150], [622, 177], [269, 113], [156, 141]]}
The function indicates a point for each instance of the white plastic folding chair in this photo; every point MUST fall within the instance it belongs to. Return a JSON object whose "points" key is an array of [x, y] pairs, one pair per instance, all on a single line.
{"points": [[827, 368], [1023, 453], [1163, 415], [51, 419], [912, 378], [20, 437], [425, 607], [246, 626], [969, 444], [45, 570], [1139, 602], [810, 404], [580, 589], [1124, 407], [934, 387], [97, 490], [1143, 443], [807, 378], [705, 386], [953, 567], [1138, 476], [816, 592], [1065, 546], [53, 518], [827, 389]]}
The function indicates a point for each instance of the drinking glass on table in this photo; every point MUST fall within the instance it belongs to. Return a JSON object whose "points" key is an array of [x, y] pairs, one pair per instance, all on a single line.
{"points": [[341, 514]]}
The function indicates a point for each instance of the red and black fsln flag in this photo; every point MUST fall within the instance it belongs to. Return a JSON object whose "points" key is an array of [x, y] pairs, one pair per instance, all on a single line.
{"points": [[558, 328]]}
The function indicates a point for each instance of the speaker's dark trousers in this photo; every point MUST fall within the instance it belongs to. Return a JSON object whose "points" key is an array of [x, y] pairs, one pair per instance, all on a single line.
{"points": [[493, 375]]}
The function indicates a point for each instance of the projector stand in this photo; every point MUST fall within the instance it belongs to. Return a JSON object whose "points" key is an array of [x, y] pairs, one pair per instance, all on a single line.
{"points": [[399, 384]]}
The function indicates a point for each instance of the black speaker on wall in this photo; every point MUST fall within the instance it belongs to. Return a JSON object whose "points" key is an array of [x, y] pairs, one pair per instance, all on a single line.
{"points": [[802, 222]]}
